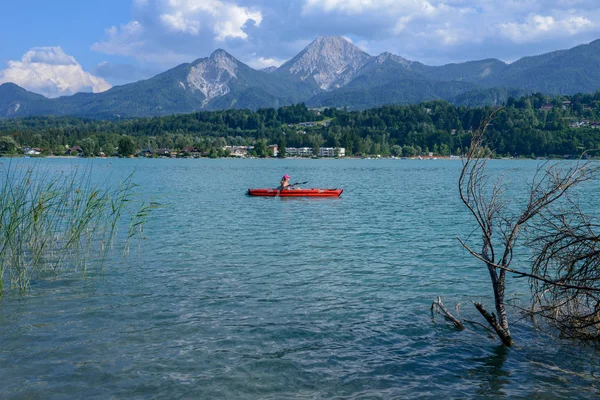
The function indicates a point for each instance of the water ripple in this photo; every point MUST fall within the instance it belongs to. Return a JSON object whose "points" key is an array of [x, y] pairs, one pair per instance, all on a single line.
{"points": [[239, 297]]}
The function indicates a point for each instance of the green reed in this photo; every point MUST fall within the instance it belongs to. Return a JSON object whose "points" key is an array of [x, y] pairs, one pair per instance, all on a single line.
{"points": [[51, 221]]}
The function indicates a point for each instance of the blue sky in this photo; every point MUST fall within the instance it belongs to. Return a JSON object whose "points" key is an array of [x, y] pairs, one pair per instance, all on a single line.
{"points": [[64, 46]]}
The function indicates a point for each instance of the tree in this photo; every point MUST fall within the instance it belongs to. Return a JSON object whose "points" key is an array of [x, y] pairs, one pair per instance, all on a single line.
{"points": [[7, 145], [517, 130], [281, 145], [89, 147], [565, 275], [316, 143], [108, 149], [126, 146], [566, 248], [260, 148], [444, 150], [409, 151]]}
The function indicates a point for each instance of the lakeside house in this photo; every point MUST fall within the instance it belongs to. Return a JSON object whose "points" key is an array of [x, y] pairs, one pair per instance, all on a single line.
{"points": [[308, 152], [332, 152], [299, 151], [75, 150], [239, 151], [162, 152], [274, 150], [191, 151], [32, 151], [578, 124]]}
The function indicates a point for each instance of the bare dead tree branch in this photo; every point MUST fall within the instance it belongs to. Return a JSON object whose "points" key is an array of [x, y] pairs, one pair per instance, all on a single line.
{"points": [[526, 274], [503, 334], [440, 306], [567, 249], [565, 271]]}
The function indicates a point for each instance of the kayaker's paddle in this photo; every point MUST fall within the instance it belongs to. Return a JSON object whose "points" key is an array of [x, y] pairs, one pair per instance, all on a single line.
{"points": [[298, 183]]}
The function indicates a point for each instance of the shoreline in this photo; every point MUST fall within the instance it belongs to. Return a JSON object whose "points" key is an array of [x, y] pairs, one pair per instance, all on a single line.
{"points": [[419, 158]]}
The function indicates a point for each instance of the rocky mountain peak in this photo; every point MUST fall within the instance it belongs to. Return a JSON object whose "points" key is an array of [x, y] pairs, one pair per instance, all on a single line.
{"points": [[220, 54], [328, 59], [383, 57], [212, 76]]}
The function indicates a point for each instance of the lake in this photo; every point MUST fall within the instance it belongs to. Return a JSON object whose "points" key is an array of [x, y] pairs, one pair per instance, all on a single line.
{"points": [[231, 296]]}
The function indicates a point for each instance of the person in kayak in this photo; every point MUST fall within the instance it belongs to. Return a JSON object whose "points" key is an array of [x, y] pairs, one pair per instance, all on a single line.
{"points": [[285, 183]]}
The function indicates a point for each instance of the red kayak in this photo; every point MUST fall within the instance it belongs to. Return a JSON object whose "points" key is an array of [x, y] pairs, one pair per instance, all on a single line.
{"points": [[296, 192]]}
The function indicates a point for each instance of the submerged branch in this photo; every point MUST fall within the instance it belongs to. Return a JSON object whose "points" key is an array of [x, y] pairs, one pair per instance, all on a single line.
{"points": [[492, 320], [440, 306]]}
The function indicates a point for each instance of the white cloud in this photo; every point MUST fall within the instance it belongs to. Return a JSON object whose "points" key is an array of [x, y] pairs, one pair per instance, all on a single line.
{"points": [[540, 26], [396, 7], [48, 55], [178, 23], [401, 24], [133, 39], [167, 31], [262, 62], [417, 18], [346, 6], [233, 19], [125, 40], [51, 72], [226, 20]]}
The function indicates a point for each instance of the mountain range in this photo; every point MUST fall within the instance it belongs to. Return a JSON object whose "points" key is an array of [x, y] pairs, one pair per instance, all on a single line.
{"points": [[330, 71]]}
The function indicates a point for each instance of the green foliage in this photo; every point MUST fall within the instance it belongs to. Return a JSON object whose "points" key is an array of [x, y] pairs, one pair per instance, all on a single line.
{"points": [[109, 149], [7, 145], [51, 221], [281, 145], [127, 146], [522, 128], [89, 146], [260, 148]]}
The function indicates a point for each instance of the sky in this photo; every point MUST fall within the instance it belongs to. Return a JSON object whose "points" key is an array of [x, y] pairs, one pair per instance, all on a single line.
{"points": [[61, 47]]}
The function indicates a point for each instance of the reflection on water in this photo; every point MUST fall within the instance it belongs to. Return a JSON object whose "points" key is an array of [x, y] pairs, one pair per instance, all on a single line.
{"points": [[490, 370], [240, 297]]}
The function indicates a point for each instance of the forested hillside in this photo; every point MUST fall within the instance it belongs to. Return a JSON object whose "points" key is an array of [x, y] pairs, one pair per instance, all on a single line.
{"points": [[535, 125]]}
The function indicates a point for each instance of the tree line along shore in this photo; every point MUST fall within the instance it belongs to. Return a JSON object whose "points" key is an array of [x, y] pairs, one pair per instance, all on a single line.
{"points": [[532, 126]]}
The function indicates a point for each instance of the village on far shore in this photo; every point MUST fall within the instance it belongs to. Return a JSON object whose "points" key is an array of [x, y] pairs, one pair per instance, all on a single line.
{"points": [[242, 152], [229, 152]]}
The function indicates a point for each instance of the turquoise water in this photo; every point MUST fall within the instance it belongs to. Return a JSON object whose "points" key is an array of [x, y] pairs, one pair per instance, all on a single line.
{"points": [[238, 297]]}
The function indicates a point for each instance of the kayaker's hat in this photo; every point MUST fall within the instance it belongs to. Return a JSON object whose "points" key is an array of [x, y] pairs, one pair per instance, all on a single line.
{"points": [[286, 176]]}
